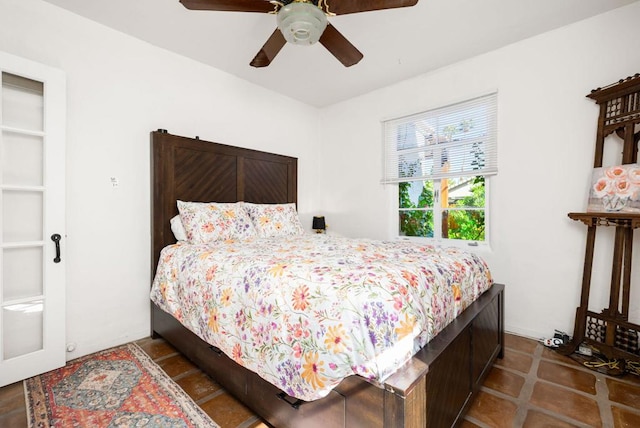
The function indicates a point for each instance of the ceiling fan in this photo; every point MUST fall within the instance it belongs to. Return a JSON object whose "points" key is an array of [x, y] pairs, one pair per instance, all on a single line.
{"points": [[302, 22]]}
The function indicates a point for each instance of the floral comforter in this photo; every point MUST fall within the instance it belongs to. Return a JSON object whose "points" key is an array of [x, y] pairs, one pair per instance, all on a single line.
{"points": [[304, 312]]}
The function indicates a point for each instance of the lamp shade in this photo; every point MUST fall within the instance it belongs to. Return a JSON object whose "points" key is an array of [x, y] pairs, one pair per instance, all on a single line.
{"points": [[301, 23], [318, 223]]}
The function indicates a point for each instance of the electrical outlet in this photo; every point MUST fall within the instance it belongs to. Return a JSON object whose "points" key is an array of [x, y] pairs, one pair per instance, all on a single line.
{"points": [[585, 350]]}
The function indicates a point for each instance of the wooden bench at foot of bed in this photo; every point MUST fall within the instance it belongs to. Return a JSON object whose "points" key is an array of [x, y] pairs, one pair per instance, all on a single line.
{"points": [[433, 389]]}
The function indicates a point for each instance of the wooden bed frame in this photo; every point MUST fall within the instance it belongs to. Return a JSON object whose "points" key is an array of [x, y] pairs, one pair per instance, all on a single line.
{"points": [[433, 389]]}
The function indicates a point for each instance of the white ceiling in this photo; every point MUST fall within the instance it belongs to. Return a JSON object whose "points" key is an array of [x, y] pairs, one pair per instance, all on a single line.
{"points": [[397, 43]]}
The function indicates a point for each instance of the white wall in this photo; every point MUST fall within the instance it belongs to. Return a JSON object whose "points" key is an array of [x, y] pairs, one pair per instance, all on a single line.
{"points": [[119, 89], [546, 136]]}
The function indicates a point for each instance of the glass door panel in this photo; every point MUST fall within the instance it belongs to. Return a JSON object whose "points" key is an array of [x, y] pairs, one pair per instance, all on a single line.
{"points": [[22, 328], [22, 157], [21, 216], [22, 102], [22, 273]]}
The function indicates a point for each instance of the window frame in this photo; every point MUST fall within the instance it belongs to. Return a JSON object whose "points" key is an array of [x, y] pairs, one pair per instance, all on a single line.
{"points": [[394, 228], [436, 208]]}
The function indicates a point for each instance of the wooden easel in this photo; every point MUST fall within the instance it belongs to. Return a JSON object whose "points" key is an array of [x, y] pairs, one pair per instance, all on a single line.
{"points": [[610, 330]]}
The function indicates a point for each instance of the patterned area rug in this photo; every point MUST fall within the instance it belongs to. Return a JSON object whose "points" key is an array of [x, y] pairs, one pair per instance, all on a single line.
{"points": [[119, 387]]}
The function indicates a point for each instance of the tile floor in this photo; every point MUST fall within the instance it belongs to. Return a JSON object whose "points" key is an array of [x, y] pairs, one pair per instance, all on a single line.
{"points": [[531, 387], [536, 387]]}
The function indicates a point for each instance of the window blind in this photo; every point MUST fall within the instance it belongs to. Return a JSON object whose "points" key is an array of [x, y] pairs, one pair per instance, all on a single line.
{"points": [[454, 141]]}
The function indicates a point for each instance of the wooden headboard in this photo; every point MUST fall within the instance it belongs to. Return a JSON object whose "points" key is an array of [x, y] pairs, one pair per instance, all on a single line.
{"points": [[190, 169]]}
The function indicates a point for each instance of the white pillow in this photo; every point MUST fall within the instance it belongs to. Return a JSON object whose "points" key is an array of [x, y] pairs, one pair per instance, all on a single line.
{"points": [[178, 229]]}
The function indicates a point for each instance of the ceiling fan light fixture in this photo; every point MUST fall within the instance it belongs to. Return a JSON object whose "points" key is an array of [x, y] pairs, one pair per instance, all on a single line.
{"points": [[301, 23]]}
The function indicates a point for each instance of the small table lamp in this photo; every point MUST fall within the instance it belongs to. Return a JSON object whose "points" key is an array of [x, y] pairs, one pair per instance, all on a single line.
{"points": [[318, 224]]}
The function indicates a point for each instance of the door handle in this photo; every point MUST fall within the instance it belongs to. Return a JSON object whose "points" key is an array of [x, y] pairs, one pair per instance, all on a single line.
{"points": [[56, 239]]}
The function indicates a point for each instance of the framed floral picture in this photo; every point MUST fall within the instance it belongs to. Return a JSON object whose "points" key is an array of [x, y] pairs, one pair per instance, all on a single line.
{"points": [[615, 189]]}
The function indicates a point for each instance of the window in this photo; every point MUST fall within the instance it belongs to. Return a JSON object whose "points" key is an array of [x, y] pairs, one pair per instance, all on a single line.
{"points": [[440, 160]]}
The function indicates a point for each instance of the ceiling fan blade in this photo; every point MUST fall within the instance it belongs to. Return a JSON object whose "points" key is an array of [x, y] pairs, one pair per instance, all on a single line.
{"points": [[340, 47], [344, 7], [269, 50], [230, 5]]}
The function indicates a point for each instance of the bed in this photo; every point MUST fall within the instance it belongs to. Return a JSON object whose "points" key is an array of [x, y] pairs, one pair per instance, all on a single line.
{"points": [[433, 388]]}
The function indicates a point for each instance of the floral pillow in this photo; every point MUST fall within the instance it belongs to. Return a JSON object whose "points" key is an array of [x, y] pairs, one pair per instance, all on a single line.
{"points": [[271, 220], [209, 222]]}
